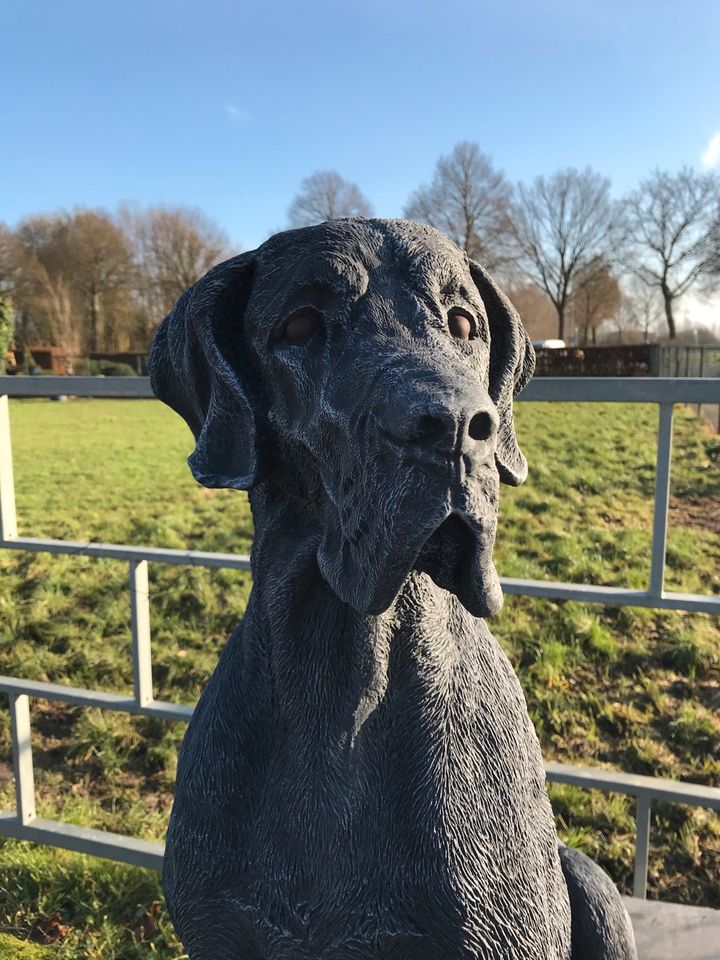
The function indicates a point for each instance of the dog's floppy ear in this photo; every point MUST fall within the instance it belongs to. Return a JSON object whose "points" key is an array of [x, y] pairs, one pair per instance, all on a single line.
{"points": [[198, 367], [512, 361]]}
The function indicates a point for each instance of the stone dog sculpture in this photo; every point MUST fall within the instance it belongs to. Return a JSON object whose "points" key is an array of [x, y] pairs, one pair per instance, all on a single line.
{"points": [[360, 778]]}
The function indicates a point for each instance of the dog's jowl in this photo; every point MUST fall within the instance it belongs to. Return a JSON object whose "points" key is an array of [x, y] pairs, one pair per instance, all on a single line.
{"points": [[360, 778]]}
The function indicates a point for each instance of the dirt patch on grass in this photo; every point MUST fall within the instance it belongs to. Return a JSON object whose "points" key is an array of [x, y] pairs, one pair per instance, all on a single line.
{"points": [[703, 513]]}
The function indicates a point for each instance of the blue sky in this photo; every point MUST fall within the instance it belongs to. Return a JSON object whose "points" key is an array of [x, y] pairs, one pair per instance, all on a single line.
{"points": [[227, 106]]}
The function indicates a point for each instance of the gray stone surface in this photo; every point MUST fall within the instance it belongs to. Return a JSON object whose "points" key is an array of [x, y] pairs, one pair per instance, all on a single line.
{"points": [[361, 778], [668, 931]]}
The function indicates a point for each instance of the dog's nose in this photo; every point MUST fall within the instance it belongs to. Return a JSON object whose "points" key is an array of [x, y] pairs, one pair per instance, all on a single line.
{"points": [[440, 427]]}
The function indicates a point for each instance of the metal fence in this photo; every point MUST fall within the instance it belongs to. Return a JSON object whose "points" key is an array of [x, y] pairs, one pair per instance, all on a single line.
{"points": [[23, 822], [702, 360], [621, 360]]}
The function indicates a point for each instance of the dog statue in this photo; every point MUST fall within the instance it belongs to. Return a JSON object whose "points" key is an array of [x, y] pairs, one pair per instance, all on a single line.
{"points": [[360, 778]]}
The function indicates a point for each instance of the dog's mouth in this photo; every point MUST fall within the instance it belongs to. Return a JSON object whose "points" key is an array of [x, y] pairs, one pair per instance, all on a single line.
{"points": [[420, 521], [447, 554], [457, 558]]}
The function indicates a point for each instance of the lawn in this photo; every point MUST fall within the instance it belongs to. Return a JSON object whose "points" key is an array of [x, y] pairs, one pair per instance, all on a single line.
{"points": [[634, 689]]}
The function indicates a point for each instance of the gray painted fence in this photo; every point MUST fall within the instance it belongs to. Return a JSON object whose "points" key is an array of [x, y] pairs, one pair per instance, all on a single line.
{"points": [[690, 360], [23, 823]]}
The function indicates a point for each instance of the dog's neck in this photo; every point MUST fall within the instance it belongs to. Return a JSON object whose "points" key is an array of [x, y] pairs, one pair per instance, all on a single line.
{"points": [[320, 646], [365, 711]]}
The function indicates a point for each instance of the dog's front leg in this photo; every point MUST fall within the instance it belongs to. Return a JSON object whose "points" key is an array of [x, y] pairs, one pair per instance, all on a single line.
{"points": [[601, 928]]}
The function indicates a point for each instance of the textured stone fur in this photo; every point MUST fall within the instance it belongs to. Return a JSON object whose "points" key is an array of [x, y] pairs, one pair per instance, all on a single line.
{"points": [[361, 778]]}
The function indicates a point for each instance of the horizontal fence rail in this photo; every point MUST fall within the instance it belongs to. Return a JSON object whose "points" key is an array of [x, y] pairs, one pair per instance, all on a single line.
{"points": [[23, 822], [552, 389]]}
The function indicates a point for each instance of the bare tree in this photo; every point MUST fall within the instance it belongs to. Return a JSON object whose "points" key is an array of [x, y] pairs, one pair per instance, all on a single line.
{"points": [[671, 226], [560, 225], [535, 308], [66, 331], [642, 308], [468, 199], [78, 270], [715, 248], [39, 235], [87, 283], [97, 262], [22, 273], [596, 298], [325, 195], [43, 292], [11, 256], [172, 248]]}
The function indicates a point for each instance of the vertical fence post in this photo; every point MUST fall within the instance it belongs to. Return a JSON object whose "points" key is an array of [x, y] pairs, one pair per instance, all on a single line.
{"points": [[700, 374], [662, 500], [8, 518], [642, 847], [142, 654], [653, 359], [22, 757]]}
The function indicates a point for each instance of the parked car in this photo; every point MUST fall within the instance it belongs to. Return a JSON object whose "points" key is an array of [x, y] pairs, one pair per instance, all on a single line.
{"points": [[549, 344]]}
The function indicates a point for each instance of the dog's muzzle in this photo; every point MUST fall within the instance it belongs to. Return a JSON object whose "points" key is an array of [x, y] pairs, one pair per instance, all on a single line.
{"points": [[426, 499], [432, 427]]}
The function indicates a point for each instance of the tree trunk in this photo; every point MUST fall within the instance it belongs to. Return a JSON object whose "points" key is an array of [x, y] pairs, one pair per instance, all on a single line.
{"points": [[21, 340], [561, 321], [93, 323], [668, 298]]}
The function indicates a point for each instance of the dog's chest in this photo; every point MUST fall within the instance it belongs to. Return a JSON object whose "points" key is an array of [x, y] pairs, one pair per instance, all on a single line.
{"points": [[372, 937], [417, 802]]}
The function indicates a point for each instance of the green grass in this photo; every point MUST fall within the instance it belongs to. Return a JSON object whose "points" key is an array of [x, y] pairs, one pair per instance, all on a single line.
{"points": [[628, 688], [12, 949]]}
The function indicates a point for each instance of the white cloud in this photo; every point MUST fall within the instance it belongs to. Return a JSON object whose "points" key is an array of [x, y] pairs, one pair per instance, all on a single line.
{"points": [[710, 157], [236, 114]]}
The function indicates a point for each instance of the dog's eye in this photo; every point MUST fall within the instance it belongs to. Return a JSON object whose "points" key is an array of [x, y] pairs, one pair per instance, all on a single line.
{"points": [[462, 325], [302, 325]]}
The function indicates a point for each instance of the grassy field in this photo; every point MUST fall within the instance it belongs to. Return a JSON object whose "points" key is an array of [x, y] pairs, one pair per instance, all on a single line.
{"points": [[629, 688]]}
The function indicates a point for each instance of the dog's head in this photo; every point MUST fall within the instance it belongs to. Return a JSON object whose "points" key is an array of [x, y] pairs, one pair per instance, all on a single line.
{"points": [[368, 368]]}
